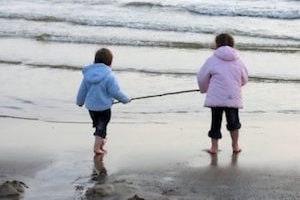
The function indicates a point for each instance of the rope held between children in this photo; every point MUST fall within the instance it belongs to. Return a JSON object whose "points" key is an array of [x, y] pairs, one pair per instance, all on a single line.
{"points": [[160, 95]]}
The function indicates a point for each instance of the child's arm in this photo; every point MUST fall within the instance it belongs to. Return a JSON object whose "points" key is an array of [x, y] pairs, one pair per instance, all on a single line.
{"points": [[203, 78], [115, 91], [82, 92]]}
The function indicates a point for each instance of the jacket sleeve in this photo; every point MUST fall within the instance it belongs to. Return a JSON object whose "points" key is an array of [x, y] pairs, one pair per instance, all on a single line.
{"points": [[82, 92], [203, 77], [115, 91], [244, 74]]}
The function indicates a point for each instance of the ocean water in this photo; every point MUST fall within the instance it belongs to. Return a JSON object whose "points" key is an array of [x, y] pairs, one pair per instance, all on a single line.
{"points": [[158, 47], [257, 24]]}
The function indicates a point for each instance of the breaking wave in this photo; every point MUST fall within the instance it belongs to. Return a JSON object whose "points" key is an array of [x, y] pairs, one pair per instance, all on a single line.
{"points": [[211, 9], [142, 25], [278, 47]]}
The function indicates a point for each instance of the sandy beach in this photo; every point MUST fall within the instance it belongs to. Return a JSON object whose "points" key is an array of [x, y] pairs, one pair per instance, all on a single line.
{"points": [[154, 161], [156, 146]]}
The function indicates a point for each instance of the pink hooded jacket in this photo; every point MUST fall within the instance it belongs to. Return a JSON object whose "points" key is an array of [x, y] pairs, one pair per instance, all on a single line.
{"points": [[221, 77]]}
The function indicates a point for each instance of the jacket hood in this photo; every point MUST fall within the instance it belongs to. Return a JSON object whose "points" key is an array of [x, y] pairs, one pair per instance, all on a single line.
{"points": [[226, 53], [96, 73]]}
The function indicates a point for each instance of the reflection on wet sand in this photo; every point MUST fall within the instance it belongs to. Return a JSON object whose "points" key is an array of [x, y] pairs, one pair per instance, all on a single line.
{"points": [[101, 189], [99, 172], [214, 160], [234, 159], [216, 180]]}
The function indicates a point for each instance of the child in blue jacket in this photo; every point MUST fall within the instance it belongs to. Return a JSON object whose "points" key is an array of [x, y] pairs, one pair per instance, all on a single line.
{"points": [[97, 91]]}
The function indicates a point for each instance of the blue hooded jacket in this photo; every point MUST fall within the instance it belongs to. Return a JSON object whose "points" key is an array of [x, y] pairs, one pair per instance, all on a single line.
{"points": [[99, 88]]}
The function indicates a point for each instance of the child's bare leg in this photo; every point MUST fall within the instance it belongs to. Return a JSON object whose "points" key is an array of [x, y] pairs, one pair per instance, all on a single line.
{"points": [[235, 138], [214, 146], [99, 142], [102, 145]]}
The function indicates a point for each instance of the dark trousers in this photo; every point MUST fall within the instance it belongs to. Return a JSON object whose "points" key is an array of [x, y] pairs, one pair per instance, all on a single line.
{"points": [[100, 121], [232, 118]]}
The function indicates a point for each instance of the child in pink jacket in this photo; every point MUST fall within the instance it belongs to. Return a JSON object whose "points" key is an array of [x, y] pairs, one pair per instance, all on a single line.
{"points": [[221, 77]]}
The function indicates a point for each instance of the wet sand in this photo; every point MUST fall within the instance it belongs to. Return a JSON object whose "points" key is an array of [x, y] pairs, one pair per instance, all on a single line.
{"points": [[155, 161]]}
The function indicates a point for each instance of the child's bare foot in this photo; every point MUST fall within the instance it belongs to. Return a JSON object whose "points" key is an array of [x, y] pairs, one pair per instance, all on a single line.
{"points": [[99, 151], [102, 145], [103, 150], [99, 144], [212, 151], [236, 149], [235, 145], [214, 147]]}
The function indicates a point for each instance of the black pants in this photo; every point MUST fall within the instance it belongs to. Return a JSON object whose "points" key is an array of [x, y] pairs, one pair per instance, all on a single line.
{"points": [[100, 121], [232, 118]]}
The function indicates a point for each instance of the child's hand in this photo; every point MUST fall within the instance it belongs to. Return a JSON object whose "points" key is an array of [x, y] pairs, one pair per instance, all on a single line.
{"points": [[129, 100]]}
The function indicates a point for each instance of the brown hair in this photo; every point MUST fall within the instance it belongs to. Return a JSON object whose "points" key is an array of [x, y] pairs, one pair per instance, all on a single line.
{"points": [[224, 39], [104, 56]]}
